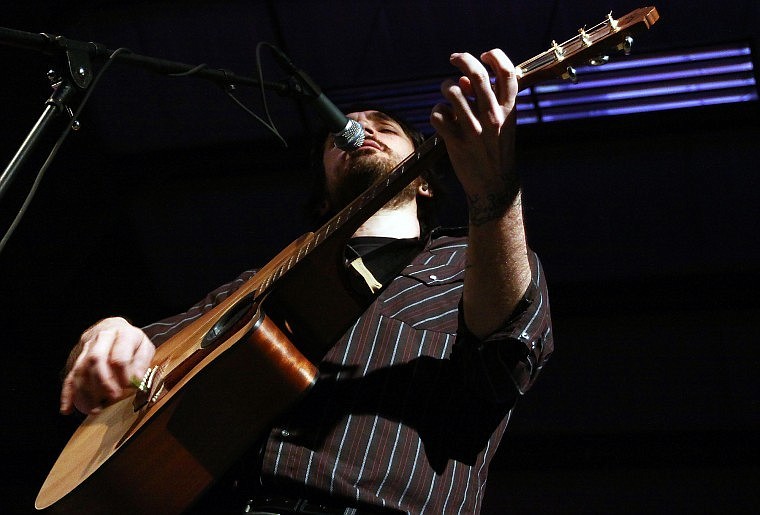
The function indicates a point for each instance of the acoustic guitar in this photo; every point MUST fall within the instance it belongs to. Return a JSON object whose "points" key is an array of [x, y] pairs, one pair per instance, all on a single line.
{"points": [[218, 384]]}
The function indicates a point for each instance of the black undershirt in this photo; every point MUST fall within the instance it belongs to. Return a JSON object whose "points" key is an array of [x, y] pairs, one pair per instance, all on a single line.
{"points": [[384, 257]]}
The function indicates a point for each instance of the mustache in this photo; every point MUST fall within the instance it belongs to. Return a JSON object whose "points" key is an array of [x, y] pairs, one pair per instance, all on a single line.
{"points": [[383, 147]]}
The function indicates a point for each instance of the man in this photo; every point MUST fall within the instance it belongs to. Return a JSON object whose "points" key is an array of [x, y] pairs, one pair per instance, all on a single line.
{"points": [[412, 401]]}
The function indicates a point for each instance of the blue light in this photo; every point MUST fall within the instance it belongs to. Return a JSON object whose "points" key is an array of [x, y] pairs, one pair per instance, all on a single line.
{"points": [[658, 90], [650, 106], [628, 84], [632, 62], [648, 76]]}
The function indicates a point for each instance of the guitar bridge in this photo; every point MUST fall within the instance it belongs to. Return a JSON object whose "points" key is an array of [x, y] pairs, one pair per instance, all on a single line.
{"points": [[150, 388]]}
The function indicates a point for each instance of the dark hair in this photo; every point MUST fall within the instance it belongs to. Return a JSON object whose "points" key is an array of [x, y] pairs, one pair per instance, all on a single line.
{"points": [[426, 206]]}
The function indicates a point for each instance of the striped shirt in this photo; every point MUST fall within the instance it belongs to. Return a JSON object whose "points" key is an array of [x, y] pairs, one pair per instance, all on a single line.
{"points": [[409, 407]]}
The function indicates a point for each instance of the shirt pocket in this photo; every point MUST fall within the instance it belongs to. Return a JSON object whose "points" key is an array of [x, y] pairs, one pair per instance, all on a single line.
{"points": [[426, 295]]}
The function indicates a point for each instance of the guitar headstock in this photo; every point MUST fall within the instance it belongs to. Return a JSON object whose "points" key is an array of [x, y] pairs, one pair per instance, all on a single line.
{"points": [[590, 46]]}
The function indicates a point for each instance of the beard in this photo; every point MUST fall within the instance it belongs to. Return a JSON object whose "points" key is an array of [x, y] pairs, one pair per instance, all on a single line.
{"points": [[365, 167]]}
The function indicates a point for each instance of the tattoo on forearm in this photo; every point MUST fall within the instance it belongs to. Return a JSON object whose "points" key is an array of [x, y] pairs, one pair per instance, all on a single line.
{"points": [[484, 208]]}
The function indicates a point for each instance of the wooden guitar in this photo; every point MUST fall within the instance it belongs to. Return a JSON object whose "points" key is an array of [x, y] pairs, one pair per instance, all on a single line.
{"points": [[216, 386]]}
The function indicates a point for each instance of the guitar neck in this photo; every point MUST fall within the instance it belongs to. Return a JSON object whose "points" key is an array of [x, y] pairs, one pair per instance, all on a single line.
{"points": [[556, 62], [609, 35]]}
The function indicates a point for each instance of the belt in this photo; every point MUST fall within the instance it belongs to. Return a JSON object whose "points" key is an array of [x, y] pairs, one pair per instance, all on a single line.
{"points": [[288, 506]]}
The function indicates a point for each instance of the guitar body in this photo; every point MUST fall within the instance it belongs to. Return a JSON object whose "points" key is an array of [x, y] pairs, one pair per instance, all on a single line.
{"points": [[161, 457], [220, 382]]}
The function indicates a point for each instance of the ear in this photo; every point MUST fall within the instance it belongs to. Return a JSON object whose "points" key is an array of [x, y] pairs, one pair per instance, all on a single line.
{"points": [[423, 190]]}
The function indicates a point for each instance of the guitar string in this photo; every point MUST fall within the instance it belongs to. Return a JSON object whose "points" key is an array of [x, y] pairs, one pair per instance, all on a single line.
{"points": [[337, 222]]}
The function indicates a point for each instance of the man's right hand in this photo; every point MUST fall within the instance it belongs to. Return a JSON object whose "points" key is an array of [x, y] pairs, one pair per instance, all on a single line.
{"points": [[108, 357]]}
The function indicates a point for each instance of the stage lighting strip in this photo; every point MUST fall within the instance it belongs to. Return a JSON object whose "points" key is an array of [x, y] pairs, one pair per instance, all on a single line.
{"points": [[651, 83], [624, 85]]}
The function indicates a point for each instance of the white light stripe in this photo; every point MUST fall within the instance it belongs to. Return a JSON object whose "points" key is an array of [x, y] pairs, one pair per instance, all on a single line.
{"points": [[538, 308], [467, 483], [348, 421], [444, 265], [456, 287], [451, 486], [398, 427], [372, 433], [419, 440], [432, 483], [308, 468], [441, 315], [481, 486], [411, 475], [366, 453], [418, 285], [277, 460], [340, 451], [390, 460], [430, 493]]}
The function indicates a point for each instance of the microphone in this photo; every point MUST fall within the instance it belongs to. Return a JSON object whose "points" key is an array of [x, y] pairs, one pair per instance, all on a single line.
{"points": [[348, 134]]}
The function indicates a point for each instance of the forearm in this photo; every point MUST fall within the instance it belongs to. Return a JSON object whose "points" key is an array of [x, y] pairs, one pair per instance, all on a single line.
{"points": [[498, 272]]}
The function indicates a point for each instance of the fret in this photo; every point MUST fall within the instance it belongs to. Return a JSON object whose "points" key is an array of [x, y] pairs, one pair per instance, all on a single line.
{"points": [[560, 56], [538, 62], [599, 31]]}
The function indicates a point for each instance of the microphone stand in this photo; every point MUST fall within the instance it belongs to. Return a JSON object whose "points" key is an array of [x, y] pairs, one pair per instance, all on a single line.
{"points": [[79, 56]]}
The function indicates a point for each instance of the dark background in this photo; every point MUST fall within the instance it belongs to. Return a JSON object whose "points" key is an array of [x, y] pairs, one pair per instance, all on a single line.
{"points": [[646, 224]]}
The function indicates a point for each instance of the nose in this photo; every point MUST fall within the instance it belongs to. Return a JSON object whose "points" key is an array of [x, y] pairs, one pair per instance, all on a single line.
{"points": [[365, 122]]}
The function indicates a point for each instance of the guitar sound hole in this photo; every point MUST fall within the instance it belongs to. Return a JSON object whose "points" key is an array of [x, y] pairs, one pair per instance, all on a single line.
{"points": [[232, 320]]}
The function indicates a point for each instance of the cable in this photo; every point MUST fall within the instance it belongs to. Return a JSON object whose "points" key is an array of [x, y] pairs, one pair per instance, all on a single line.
{"points": [[230, 87], [56, 147]]}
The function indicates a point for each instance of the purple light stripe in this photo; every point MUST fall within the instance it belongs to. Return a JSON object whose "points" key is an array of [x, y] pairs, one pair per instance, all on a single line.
{"points": [[673, 89], [646, 77], [633, 62], [631, 81], [650, 107], [525, 120]]}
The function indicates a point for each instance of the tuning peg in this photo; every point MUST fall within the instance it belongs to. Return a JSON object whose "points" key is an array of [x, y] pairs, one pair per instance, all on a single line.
{"points": [[612, 22], [53, 76], [559, 52], [585, 39], [570, 75], [626, 45]]}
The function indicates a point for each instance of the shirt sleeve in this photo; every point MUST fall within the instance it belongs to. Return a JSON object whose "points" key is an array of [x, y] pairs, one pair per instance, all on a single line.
{"points": [[511, 357], [160, 331]]}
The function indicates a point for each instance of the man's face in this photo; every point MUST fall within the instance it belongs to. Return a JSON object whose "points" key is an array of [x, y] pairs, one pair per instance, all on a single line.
{"points": [[348, 174]]}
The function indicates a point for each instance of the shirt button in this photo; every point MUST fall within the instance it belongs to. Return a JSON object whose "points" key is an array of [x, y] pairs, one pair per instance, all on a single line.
{"points": [[433, 277], [285, 433]]}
